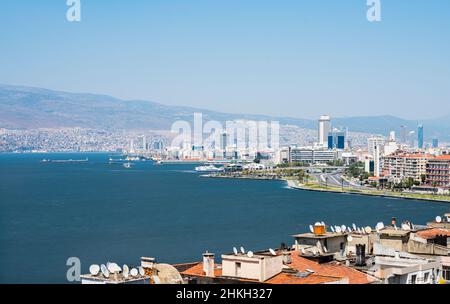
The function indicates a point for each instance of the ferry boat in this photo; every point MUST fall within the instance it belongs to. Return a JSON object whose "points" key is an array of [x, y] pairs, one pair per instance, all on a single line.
{"points": [[209, 168]]}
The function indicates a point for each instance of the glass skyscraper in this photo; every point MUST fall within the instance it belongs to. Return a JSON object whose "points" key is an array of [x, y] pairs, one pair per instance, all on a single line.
{"points": [[420, 137]]}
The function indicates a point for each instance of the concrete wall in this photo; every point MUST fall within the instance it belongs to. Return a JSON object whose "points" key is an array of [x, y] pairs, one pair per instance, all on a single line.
{"points": [[255, 268]]}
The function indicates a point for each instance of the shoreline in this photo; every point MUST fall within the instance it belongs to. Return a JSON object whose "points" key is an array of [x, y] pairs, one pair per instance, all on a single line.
{"points": [[295, 186]]}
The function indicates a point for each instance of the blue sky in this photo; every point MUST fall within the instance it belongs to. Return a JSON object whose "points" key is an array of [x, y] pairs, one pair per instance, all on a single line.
{"points": [[299, 58]]}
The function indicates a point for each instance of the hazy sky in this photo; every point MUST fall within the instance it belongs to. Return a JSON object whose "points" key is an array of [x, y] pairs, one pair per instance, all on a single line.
{"points": [[298, 58]]}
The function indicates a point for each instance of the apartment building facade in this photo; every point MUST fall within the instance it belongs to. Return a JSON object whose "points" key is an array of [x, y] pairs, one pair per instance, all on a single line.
{"points": [[438, 171]]}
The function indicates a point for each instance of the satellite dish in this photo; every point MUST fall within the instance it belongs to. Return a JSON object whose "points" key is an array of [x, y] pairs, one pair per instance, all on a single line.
{"points": [[126, 271], [113, 267], [323, 223], [303, 251], [405, 226], [311, 228], [141, 271], [134, 272], [349, 238], [315, 251], [318, 224], [104, 271], [395, 227], [359, 230], [242, 250], [272, 252], [438, 219], [235, 250], [325, 249], [338, 229], [94, 269], [354, 227], [250, 254], [380, 225], [349, 230], [343, 227], [368, 230], [332, 228], [167, 274]]}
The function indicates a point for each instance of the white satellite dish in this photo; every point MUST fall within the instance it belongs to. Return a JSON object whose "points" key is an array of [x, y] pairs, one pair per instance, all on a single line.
{"points": [[359, 230], [126, 271], [242, 250], [349, 238], [141, 271], [323, 223], [368, 230], [250, 254], [325, 249], [235, 251], [272, 252], [134, 272], [354, 227], [332, 228], [405, 226], [438, 219], [318, 224], [315, 251], [303, 250], [311, 228], [349, 230], [338, 229], [104, 271], [380, 225], [343, 228], [111, 267], [94, 269]]}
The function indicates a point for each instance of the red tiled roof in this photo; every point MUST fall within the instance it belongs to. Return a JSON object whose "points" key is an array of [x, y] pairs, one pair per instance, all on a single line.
{"points": [[330, 269], [197, 270], [323, 273], [443, 157], [287, 278], [432, 233], [281, 278]]}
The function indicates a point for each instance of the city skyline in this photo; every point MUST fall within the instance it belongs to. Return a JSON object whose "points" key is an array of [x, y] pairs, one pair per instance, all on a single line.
{"points": [[262, 59]]}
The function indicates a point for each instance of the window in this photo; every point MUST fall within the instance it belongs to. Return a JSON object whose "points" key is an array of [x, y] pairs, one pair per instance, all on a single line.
{"points": [[413, 279], [238, 269], [426, 277], [446, 273]]}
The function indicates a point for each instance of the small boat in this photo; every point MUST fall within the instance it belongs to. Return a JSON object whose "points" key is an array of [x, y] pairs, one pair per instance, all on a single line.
{"points": [[209, 168], [127, 165]]}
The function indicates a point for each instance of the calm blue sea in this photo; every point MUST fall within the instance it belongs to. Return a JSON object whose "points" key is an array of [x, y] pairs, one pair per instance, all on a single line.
{"points": [[101, 212]]}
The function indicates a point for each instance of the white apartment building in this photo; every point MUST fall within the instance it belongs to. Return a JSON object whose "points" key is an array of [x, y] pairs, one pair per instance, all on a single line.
{"points": [[400, 166], [324, 128]]}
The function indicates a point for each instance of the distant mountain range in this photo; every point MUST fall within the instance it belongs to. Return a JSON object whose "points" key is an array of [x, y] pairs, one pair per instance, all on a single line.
{"points": [[31, 108]]}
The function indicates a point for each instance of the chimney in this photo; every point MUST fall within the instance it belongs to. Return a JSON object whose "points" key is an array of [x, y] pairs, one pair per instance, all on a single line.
{"points": [[208, 264], [394, 221], [287, 257], [148, 263]]}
